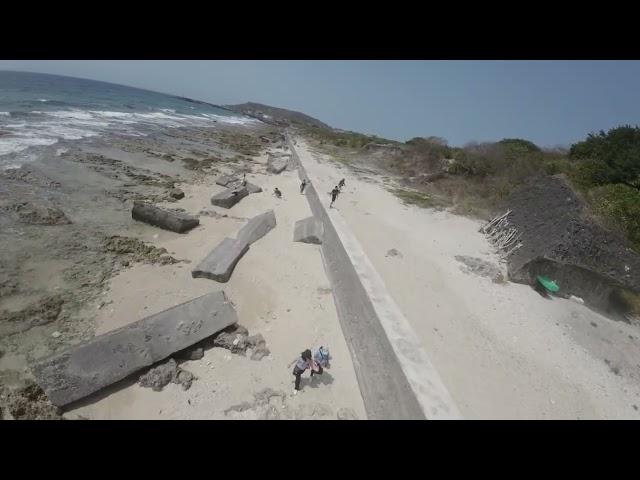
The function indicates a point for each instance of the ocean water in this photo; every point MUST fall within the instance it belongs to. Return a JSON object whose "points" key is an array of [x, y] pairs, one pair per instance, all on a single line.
{"points": [[39, 110]]}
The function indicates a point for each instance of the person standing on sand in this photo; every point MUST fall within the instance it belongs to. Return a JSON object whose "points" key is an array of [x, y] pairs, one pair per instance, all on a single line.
{"points": [[341, 184], [277, 193], [303, 185], [334, 195], [321, 361], [303, 363]]}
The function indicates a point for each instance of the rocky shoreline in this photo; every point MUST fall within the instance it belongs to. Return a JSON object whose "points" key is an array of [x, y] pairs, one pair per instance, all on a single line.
{"points": [[66, 228]]}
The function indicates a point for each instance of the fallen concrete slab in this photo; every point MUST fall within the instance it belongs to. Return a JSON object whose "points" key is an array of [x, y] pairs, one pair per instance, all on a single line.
{"points": [[251, 188], [165, 219], [86, 368], [232, 182], [292, 164], [226, 180], [257, 227], [308, 230], [276, 164], [219, 264], [229, 197]]}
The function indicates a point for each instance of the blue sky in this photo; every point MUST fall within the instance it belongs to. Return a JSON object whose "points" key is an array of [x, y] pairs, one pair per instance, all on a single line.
{"points": [[548, 102]]}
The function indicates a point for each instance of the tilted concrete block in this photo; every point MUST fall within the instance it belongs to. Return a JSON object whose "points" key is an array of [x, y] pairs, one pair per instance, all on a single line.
{"points": [[276, 164], [229, 197], [257, 227], [226, 180], [309, 230], [219, 264], [88, 367]]}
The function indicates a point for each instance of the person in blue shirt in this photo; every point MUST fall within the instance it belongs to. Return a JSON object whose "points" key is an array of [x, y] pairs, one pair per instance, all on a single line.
{"points": [[321, 361]]}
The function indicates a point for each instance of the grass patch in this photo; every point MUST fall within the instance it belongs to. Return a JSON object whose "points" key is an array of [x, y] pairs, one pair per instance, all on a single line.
{"points": [[413, 197], [199, 165]]}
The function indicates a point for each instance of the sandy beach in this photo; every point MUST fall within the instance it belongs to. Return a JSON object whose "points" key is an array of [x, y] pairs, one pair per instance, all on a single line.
{"points": [[502, 350], [279, 290]]}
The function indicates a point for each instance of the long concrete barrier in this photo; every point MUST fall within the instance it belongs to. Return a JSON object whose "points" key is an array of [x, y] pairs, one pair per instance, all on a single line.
{"points": [[396, 378]]}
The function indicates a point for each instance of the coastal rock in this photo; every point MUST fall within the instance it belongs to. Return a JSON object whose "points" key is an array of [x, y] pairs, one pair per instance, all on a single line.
{"points": [[308, 230], [158, 377], [35, 214], [137, 251], [276, 164], [166, 219], [229, 197], [168, 372], [85, 368], [237, 329], [38, 313], [191, 354], [27, 403], [237, 340], [234, 342], [260, 351], [176, 193]]}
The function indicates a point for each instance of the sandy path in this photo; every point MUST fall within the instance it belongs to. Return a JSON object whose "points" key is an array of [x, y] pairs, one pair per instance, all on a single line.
{"points": [[396, 377], [502, 350], [279, 289]]}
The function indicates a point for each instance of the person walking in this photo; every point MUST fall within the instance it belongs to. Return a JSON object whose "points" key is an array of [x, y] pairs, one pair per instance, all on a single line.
{"points": [[320, 361], [277, 193], [334, 195], [302, 364], [303, 185]]}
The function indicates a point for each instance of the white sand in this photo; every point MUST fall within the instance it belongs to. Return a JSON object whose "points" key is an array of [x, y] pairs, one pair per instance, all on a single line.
{"points": [[501, 350], [277, 290]]}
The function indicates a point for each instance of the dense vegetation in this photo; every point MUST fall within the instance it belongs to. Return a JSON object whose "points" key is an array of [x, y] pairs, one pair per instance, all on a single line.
{"points": [[605, 168], [608, 172], [340, 138]]}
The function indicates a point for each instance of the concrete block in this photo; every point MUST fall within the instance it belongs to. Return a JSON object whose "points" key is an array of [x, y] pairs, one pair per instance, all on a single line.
{"points": [[219, 264], [276, 164], [229, 197], [88, 367], [309, 230], [257, 227], [166, 219]]}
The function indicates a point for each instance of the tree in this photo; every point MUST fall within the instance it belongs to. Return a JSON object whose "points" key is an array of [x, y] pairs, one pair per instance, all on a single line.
{"points": [[610, 158], [519, 145]]}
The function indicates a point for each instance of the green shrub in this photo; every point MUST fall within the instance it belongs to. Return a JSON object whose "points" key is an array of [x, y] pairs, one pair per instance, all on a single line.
{"points": [[611, 157], [620, 205]]}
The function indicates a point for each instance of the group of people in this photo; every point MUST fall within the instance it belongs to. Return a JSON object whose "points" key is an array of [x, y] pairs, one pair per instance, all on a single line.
{"points": [[315, 362], [308, 360], [334, 193], [336, 190], [303, 185]]}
